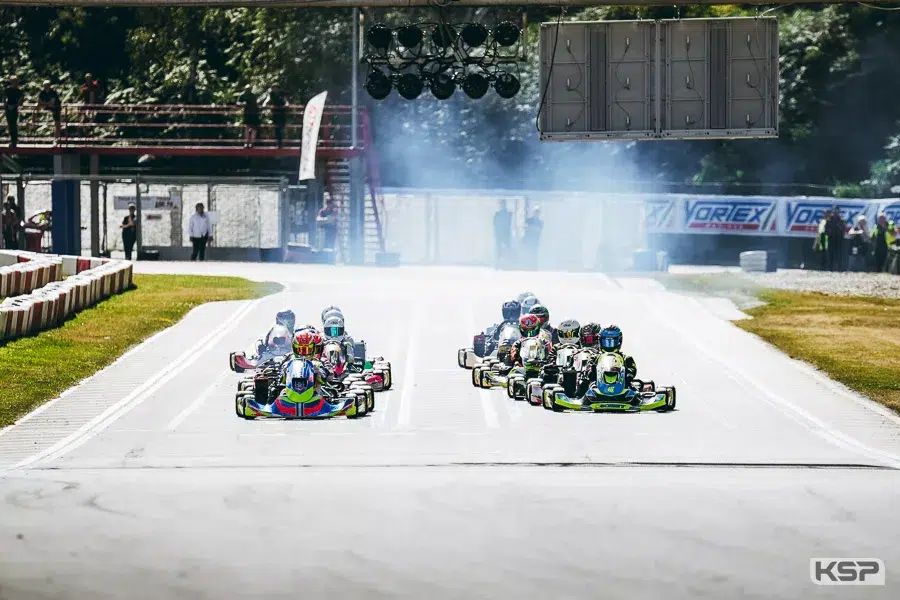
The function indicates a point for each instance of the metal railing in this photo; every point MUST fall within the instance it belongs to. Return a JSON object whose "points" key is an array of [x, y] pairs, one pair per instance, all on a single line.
{"points": [[172, 125]]}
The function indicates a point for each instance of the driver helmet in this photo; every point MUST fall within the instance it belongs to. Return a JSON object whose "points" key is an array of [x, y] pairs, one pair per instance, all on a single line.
{"points": [[611, 338], [527, 302], [568, 331], [588, 335], [541, 312], [279, 337], [304, 344], [511, 310], [334, 327], [287, 319], [529, 325], [331, 311], [521, 297]]}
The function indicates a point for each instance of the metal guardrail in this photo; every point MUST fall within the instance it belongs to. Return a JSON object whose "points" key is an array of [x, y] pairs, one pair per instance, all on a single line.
{"points": [[173, 125]]}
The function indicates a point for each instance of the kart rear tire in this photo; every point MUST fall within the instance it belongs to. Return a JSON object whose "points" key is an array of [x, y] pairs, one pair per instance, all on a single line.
{"points": [[476, 377], [261, 391], [546, 394], [569, 383], [356, 412], [388, 378], [240, 404], [671, 407], [461, 358]]}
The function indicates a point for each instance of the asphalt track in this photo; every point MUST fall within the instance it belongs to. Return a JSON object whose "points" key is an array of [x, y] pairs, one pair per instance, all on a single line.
{"points": [[142, 483]]}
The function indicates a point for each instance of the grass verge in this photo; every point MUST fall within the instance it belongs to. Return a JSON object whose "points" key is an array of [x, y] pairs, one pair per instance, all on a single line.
{"points": [[38, 368], [854, 340]]}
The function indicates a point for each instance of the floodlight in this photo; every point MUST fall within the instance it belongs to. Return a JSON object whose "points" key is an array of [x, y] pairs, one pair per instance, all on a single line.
{"points": [[378, 85], [442, 86], [506, 85], [474, 34], [443, 35], [475, 85], [379, 36], [506, 33], [410, 86], [409, 36]]}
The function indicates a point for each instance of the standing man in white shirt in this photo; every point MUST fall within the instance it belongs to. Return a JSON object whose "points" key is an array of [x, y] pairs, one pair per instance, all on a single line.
{"points": [[199, 230]]}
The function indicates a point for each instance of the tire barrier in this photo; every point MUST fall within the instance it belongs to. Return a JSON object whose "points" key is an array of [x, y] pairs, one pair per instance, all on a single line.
{"points": [[759, 261], [41, 291]]}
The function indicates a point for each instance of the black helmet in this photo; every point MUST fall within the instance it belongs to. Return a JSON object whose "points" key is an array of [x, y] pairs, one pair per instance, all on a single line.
{"points": [[541, 312], [568, 331], [588, 335], [286, 318], [511, 310], [611, 338]]}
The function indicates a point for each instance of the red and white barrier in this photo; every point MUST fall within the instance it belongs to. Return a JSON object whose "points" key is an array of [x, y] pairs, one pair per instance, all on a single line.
{"points": [[38, 297]]}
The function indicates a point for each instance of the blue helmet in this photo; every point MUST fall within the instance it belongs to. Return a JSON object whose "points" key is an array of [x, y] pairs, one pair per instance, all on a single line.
{"points": [[611, 338]]}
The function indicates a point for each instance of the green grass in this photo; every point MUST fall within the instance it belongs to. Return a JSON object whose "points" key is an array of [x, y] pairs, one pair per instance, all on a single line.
{"points": [[38, 368], [853, 339]]}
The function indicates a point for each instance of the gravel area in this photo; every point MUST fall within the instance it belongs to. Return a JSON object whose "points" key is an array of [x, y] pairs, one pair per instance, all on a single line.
{"points": [[879, 285]]}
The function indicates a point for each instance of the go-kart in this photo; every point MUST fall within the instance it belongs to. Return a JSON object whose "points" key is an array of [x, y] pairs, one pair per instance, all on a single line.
{"points": [[489, 371], [534, 369], [294, 389], [239, 362], [375, 372], [611, 392], [482, 345]]}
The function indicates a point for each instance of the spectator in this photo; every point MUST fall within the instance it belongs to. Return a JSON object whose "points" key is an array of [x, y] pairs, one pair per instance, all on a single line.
{"points": [[12, 100], [11, 225], [882, 238], [820, 244], [834, 232], [327, 220], [534, 225], [90, 90], [502, 232], [251, 116], [199, 230], [859, 245], [48, 100], [129, 230], [278, 103]]}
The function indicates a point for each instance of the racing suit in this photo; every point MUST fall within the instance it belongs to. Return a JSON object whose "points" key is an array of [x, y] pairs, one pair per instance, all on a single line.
{"points": [[554, 336], [516, 357], [496, 334], [591, 375], [347, 344]]}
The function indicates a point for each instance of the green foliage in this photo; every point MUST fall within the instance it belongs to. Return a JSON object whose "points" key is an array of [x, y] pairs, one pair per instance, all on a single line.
{"points": [[839, 117]]}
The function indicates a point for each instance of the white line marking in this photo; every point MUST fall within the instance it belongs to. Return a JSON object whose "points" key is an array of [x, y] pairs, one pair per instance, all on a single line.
{"points": [[140, 394], [204, 395], [811, 423], [262, 434], [409, 373], [490, 413], [116, 363]]}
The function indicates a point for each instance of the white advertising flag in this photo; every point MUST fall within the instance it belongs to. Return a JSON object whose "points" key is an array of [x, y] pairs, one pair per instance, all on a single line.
{"points": [[312, 118]]}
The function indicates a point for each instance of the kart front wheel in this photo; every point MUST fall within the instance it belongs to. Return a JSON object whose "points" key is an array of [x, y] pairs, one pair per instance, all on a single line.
{"points": [[240, 406], [476, 377], [357, 409]]}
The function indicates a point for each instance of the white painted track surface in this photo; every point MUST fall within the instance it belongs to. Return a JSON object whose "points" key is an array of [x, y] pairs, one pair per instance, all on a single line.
{"points": [[142, 483]]}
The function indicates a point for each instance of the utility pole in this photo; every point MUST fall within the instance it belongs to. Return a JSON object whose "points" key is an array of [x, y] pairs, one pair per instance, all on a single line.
{"points": [[357, 177]]}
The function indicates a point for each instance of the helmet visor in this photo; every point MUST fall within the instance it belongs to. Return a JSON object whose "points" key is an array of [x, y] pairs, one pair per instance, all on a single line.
{"points": [[609, 343], [334, 331]]}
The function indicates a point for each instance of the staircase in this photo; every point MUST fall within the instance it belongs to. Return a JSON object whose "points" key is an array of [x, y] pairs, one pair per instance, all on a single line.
{"points": [[337, 186]]}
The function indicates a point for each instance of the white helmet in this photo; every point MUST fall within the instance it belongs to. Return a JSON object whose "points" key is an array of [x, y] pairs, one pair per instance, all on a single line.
{"points": [[527, 303], [334, 327], [331, 311]]}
